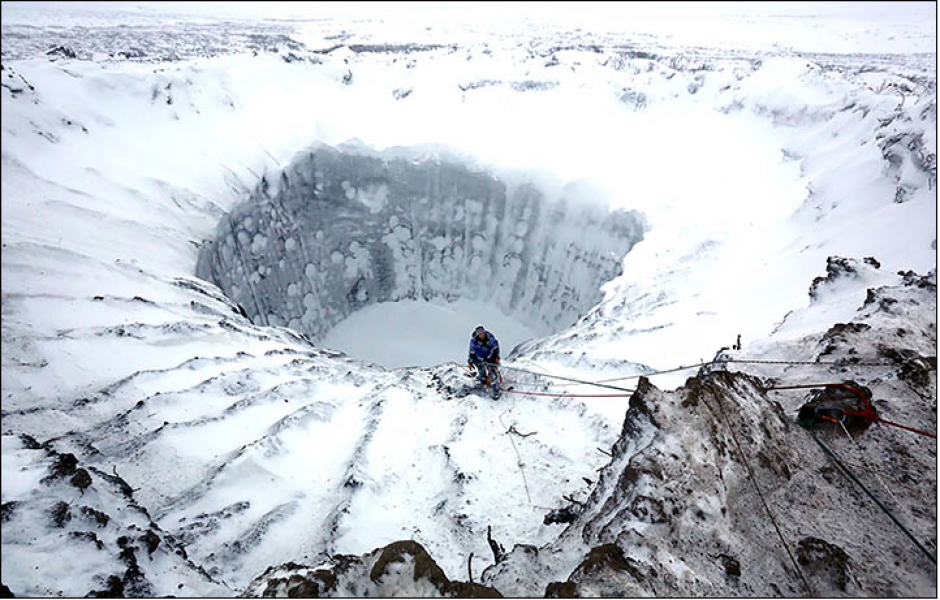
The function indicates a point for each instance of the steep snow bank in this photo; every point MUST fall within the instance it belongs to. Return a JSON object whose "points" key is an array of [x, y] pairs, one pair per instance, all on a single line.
{"points": [[338, 231]]}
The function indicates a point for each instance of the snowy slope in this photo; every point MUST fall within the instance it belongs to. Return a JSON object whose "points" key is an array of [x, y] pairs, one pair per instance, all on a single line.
{"points": [[240, 445]]}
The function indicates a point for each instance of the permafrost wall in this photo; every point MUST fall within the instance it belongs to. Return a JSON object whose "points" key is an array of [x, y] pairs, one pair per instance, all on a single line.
{"points": [[341, 230]]}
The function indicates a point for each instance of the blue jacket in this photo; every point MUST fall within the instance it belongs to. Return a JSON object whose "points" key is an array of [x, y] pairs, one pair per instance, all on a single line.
{"points": [[484, 351]]}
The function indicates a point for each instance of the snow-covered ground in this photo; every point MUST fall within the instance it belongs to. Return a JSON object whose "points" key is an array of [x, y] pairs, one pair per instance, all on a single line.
{"points": [[755, 140]]}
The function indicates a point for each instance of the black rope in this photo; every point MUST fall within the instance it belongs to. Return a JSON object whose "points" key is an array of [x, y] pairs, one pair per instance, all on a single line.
{"points": [[850, 475], [750, 475], [808, 362]]}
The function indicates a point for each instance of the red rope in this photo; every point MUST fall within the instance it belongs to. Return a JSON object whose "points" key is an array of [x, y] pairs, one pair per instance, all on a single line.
{"points": [[880, 420]]}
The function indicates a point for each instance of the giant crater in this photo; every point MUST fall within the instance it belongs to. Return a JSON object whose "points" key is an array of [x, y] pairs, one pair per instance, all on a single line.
{"points": [[339, 229]]}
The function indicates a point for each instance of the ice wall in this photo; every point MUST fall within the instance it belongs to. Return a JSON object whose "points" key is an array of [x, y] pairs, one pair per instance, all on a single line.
{"points": [[340, 230]]}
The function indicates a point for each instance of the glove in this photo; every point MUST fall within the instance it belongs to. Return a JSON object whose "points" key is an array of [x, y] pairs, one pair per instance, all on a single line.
{"points": [[471, 367]]}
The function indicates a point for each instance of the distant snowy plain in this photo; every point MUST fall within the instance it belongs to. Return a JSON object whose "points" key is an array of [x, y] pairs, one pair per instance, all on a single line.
{"points": [[755, 142]]}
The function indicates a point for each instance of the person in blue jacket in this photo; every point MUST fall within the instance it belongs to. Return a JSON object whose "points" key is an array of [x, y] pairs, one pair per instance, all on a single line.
{"points": [[484, 358]]}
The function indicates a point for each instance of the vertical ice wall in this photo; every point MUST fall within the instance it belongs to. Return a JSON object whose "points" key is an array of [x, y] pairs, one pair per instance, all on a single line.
{"points": [[341, 230]]}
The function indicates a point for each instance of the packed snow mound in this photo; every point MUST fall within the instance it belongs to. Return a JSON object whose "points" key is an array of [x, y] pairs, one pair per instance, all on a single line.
{"points": [[338, 231]]}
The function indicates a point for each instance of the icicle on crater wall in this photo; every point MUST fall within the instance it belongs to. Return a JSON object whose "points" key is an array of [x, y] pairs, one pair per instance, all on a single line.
{"points": [[338, 231]]}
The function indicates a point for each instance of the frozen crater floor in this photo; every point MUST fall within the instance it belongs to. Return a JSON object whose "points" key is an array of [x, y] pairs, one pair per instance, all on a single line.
{"points": [[411, 333]]}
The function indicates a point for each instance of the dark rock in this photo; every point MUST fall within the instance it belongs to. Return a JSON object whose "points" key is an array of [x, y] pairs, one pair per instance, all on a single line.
{"points": [[81, 479], [839, 336], [64, 466], [731, 565], [61, 51], [301, 587], [838, 267], [114, 589], [5, 592], [100, 518], [150, 541], [88, 536], [463, 589], [424, 565], [6, 510], [126, 490], [30, 442], [649, 510], [827, 562], [912, 367], [607, 572], [566, 514], [558, 589], [928, 282], [608, 556], [60, 513]]}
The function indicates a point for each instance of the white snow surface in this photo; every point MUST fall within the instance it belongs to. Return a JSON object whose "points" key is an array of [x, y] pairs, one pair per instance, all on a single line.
{"points": [[757, 139]]}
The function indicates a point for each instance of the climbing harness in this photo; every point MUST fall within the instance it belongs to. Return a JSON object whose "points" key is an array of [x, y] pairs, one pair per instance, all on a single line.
{"points": [[868, 412]]}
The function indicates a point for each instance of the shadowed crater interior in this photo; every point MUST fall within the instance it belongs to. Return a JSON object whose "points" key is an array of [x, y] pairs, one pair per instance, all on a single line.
{"points": [[339, 230]]}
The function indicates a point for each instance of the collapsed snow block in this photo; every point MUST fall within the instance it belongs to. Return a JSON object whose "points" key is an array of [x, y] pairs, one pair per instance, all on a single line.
{"points": [[825, 407]]}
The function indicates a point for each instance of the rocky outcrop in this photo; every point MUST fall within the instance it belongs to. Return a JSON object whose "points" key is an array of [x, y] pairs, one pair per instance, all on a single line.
{"points": [[400, 569], [337, 231], [713, 489]]}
